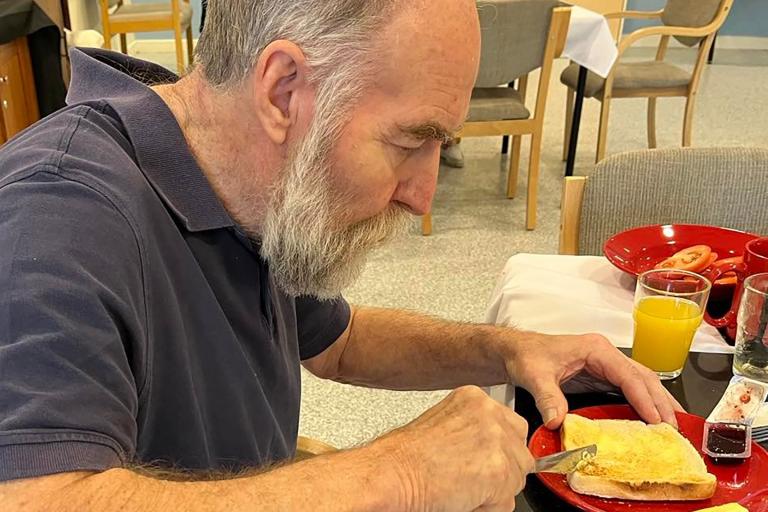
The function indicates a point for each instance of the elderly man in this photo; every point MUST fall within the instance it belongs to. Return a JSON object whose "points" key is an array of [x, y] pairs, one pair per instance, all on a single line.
{"points": [[172, 249]]}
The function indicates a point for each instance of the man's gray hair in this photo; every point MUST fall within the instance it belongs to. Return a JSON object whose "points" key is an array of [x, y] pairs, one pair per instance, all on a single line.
{"points": [[336, 36], [331, 33]]}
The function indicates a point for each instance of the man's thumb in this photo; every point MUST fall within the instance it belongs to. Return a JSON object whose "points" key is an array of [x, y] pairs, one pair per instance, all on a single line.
{"points": [[550, 402]]}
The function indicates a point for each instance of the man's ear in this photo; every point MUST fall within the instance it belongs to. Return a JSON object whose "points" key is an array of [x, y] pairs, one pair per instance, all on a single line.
{"points": [[281, 87]]}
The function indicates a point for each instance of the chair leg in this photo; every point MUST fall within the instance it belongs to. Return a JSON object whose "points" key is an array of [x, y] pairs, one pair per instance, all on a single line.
{"points": [[123, 44], [533, 181], [514, 166], [651, 123], [602, 136], [426, 224], [179, 51], [688, 120], [568, 121], [190, 46], [107, 37]]}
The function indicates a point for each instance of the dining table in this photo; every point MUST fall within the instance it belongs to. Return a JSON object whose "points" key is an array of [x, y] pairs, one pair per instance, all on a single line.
{"points": [[591, 45], [566, 294]]}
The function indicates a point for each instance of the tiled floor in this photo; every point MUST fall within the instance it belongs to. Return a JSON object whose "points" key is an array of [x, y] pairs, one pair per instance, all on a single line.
{"points": [[451, 273]]}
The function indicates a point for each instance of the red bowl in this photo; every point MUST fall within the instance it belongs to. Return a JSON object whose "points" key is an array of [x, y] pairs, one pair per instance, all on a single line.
{"points": [[636, 250]]}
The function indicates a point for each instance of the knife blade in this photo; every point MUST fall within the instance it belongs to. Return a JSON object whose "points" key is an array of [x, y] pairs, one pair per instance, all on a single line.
{"points": [[564, 462]]}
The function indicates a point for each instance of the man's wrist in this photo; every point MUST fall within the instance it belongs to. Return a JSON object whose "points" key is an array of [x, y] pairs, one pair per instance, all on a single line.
{"points": [[396, 482], [511, 346]]}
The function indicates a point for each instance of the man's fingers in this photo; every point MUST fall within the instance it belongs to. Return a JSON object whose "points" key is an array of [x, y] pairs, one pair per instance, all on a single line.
{"points": [[521, 465], [644, 391], [624, 372], [516, 423], [661, 398], [665, 402], [675, 404], [525, 462]]}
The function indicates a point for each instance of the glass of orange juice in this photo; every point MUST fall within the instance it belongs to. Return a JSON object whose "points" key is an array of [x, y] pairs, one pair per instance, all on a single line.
{"points": [[669, 306]]}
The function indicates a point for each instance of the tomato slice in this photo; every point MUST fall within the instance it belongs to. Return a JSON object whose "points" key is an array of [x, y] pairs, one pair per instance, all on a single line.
{"points": [[726, 261], [729, 278], [712, 260], [693, 259]]}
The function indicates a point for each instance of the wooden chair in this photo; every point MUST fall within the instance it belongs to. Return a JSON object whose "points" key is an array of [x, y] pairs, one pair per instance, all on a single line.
{"points": [[174, 15], [725, 187], [519, 36], [307, 448], [688, 21]]}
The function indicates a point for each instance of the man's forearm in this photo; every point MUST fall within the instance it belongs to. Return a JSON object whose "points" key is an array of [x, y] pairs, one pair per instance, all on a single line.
{"points": [[359, 479], [400, 350]]}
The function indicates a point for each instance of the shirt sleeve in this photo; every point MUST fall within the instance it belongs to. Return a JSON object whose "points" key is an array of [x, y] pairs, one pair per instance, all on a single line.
{"points": [[70, 336], [320, 324]]}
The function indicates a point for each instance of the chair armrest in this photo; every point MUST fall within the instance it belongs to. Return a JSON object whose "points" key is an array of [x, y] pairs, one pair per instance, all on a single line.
{"points": [[307, 448], [664, 30], [638, 15]]}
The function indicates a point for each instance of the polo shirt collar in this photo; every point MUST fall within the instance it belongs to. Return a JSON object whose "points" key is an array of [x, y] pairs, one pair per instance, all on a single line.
{"points": [[161, 150]]}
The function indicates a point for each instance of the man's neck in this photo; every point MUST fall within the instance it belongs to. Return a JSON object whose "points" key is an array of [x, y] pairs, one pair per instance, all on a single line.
{"points": [[229, 147]]}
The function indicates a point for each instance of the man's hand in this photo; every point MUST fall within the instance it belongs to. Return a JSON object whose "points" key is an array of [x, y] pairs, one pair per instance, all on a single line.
{"points": [[542, 364], [466, 453]]}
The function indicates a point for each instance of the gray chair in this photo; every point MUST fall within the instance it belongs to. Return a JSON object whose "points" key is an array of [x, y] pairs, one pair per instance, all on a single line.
{"points": [[725, 187], [518, 36], [688, 21]]}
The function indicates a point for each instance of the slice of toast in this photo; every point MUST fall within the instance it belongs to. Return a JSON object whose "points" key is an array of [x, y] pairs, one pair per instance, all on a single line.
{"points": [[636, 461]]}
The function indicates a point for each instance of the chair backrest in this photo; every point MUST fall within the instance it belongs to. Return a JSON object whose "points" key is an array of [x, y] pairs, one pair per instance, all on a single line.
{"points": [[725, 187], [514, 36], [691, 13]]}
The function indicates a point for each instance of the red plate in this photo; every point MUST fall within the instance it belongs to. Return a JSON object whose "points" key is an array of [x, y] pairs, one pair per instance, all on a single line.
{"points": [[636, 250], [745, 483]]}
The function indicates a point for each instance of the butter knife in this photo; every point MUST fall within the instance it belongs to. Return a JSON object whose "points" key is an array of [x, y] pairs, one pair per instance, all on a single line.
{"points": [[564, 462]]}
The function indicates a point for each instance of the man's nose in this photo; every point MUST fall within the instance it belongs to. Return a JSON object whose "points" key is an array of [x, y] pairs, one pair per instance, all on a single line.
{"points": [[417, 190]]}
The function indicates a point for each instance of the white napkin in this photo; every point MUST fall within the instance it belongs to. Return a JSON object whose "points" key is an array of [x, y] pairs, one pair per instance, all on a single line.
{"points": [[555, 294], [590, 42]]}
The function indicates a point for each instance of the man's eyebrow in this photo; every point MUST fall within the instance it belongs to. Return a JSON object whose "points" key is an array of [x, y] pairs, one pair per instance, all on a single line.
{"points": [[433, 131]]}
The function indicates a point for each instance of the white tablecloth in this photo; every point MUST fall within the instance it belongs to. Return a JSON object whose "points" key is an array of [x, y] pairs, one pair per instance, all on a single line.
{"points": [[590, 41], [575, 295], [555, 294]]}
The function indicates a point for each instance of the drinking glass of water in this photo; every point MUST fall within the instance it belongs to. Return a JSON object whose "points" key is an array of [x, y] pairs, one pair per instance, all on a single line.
{"points": [[751, 358]]}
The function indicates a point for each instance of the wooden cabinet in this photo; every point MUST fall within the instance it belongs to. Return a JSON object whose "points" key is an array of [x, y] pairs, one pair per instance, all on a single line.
{"points": [[18, 100]]}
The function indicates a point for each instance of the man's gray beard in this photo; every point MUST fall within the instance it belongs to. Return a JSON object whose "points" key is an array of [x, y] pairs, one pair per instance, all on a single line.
{"points": [[305, 239]]}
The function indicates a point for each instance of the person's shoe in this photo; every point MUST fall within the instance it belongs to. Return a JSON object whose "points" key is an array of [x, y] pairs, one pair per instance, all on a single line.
{"points": [[452, 156]]}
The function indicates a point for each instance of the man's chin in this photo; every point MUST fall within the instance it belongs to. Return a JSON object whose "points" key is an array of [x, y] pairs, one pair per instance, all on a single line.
{"points": [[324, 286], [328, 265]]}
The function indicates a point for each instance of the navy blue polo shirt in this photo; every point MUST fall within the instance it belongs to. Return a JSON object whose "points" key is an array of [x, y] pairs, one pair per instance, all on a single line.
{"points": [[137, 323]]}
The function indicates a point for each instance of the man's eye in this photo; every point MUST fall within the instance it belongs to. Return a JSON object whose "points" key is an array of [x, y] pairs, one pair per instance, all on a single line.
{"points": [[409, 149]]}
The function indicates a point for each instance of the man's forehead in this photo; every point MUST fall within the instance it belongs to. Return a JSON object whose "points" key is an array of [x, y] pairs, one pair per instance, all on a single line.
{"points": [[427, 65], [442, 35]]}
